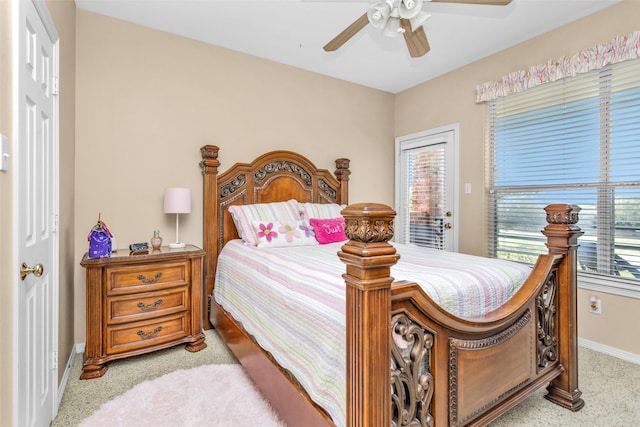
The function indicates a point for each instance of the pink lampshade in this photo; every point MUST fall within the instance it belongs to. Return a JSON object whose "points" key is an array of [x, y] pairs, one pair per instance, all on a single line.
{"points": [[177, 200]]}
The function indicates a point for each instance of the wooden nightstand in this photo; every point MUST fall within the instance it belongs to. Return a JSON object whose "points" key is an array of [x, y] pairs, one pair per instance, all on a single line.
{"points": [[141, 303]]}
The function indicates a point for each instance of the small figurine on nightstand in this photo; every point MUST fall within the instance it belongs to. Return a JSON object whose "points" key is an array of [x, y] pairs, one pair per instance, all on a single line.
{"points": [[156, 240], [99, 240]]}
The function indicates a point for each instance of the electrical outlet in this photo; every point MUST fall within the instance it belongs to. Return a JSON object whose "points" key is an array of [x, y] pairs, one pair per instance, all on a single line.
{"points": [[595, 305]]}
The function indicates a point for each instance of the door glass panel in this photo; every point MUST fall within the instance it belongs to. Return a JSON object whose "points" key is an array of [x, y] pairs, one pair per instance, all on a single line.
{"points": [[426, 195]]}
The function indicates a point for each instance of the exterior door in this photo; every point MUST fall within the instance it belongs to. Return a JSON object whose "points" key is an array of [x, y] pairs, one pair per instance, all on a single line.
{"points": [[36, 207], [426, 180]]}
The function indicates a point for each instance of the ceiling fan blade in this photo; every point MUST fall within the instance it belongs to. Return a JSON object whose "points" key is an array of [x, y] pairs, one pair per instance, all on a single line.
{"points": [[348, 32], [417, 42], [485, 2]]}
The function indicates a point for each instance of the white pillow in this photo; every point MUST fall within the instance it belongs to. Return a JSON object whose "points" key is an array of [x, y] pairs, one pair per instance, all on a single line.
{"points": [[244, 215], [320, 210], [271, 234]]}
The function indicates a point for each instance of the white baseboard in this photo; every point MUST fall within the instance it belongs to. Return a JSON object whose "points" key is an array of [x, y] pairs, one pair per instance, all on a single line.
{"points": [[75, 350], [611, 351]]}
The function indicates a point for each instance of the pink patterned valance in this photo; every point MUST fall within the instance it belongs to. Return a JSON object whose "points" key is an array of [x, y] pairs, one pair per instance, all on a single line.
{"points": [[619, 49]]}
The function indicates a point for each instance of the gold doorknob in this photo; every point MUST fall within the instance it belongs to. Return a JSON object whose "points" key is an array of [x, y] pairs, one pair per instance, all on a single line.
{"points": [[447, 225], [36, 270]]}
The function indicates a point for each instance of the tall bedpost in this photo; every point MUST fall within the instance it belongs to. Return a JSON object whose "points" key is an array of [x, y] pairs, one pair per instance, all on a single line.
{"points": [[209, 166], [369, 258], [342, 174], [562, 238]]}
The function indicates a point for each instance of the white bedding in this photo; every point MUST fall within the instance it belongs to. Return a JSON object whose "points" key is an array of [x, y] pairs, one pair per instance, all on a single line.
{"points": [[296, 309]]}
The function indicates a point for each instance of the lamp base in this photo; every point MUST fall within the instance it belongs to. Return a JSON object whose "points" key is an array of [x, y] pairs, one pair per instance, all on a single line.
{"points": [[176, 245]]}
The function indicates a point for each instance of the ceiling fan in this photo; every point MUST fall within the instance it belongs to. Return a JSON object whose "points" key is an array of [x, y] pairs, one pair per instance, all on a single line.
{"points": [[396, 17]]}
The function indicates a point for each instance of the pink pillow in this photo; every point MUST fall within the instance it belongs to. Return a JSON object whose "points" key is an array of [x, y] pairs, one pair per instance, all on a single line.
{"points": [[328, 230]]}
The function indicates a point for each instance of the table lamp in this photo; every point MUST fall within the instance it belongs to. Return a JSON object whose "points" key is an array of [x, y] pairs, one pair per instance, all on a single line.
{"points": [[177, 201]]}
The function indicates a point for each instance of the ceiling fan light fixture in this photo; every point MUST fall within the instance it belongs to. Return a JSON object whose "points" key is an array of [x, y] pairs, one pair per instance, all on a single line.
{"points": [[393, 29], [379, 13], [395, 17], [419, 20], [409, 8]]}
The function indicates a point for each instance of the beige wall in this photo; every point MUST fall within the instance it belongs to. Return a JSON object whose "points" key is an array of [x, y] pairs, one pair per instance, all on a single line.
{"points": [[451, 99], [147, 101], [6, 247]]}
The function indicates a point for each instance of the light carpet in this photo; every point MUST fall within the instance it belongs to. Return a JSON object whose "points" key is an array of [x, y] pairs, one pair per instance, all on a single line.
{"points": [[211, 395], [610, 386]]}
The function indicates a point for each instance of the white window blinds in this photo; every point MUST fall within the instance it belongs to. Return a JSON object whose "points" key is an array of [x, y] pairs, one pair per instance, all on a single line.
{"points": [[573, 141], [423, 194]]}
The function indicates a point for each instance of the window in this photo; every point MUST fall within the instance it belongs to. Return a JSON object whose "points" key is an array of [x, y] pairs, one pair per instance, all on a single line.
{"points": [[573, 141]]}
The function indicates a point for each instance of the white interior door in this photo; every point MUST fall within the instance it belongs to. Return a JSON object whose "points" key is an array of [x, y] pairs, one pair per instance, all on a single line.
{"points": [[36, 207], [426, 182]]}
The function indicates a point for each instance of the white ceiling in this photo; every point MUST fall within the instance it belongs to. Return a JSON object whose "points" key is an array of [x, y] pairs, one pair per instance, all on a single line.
{"points": [[293, 32]]}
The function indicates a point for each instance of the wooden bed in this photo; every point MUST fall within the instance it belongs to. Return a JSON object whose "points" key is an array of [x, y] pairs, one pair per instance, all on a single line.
{"points": [[457, 371]]}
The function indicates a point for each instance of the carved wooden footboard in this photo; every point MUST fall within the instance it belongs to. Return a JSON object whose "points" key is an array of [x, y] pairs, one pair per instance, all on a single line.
{"points": [[447, 370], [444, 370]]}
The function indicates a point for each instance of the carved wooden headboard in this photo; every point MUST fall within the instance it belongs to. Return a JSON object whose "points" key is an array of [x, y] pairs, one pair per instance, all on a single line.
{"points": [[273, 177]]}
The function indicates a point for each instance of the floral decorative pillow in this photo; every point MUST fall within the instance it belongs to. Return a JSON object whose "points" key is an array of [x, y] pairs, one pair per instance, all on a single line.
{"points": [[320, 210], [271, 234], [244, 215], [329, 230]]}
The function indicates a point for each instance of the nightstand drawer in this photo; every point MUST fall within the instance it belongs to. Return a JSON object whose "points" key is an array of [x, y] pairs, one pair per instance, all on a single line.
{"points": [[146, 277], [140, 335], [148, 305]]}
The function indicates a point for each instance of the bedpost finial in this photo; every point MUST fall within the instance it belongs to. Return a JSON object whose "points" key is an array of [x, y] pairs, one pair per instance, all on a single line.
{"points": [[342, 169], [209, 152], [342, 174], [562, 230], [562, 214], [342, 164], [209, 163], [369, 222]]}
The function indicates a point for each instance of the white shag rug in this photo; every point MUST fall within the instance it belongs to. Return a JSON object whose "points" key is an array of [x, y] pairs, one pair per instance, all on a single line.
{"points": [[209, 395]]}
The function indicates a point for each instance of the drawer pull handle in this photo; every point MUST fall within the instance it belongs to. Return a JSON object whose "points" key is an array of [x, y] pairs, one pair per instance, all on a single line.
{"points": [[149, 279], [150, 334], [149, 307]]}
